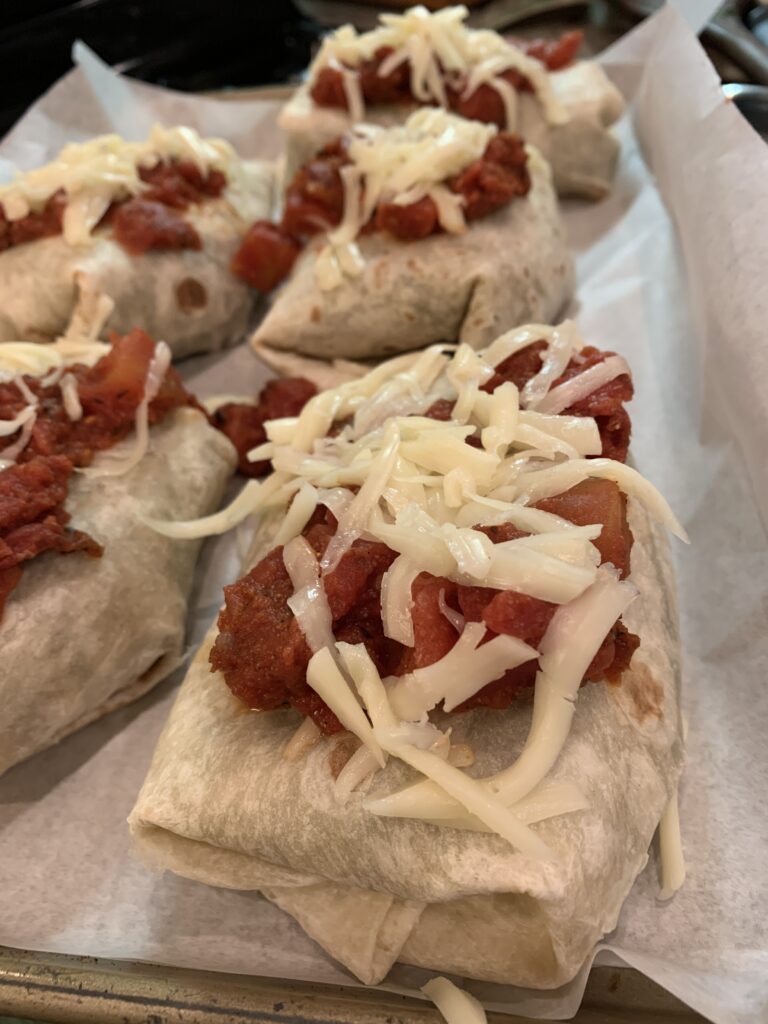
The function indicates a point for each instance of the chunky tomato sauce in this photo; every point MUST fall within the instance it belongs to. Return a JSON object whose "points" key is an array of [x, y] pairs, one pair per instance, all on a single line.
{"points": [[34, 490], [149, 221], [484, 104], [244, 424], [314, 202], [262, 652], [606, 403]]}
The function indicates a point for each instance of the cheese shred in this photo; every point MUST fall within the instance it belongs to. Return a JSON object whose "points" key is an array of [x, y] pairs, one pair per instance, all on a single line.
{"points": [[456, 1005], [671, 850]]}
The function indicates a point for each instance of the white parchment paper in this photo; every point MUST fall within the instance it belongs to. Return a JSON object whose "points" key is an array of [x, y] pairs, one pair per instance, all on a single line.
{"points": [[683, 297]]}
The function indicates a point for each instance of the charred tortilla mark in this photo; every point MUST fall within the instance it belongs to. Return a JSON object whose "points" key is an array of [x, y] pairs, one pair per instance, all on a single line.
{"points": [[341, 753], [191, 295], [645, 692]]}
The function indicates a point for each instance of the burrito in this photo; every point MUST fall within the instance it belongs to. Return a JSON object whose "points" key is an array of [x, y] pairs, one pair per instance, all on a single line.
{"points": [[151, 225], [536, 88], [436, 229], [92, 601], [458, 642]]}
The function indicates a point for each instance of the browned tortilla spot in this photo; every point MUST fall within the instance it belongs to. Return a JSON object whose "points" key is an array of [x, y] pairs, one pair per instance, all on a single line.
{"points": [[315, 315], [191, 295], [644, 690], [341, 753]]}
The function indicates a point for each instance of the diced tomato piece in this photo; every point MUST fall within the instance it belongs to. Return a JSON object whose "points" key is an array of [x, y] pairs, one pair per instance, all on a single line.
{"points": [[597, 501], [433, 634], [409, 222], [118, 379], [519, 615], [345, 585], [143, 225], [244, 424], [555, 53], [265, 257]]}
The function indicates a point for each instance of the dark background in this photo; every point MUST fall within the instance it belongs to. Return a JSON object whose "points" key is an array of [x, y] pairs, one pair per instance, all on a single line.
{"points": [[188, 45], [198, 45]]}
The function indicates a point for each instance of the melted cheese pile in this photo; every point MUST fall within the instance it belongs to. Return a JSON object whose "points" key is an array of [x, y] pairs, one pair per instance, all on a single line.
{"points": [[95, 173], [436, 45], [402, 164], [419, 488]]}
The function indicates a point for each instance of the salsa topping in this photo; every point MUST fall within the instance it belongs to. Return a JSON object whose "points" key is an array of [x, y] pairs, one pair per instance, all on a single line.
{"points": [[244, 424], [420, 57], [139, 188], [34, 486], [263, 653], [434, 174]]}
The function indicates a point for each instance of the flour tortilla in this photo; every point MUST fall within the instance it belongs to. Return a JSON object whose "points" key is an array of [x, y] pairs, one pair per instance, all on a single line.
{"points": [[583, 151], [509, 268], [81, 636], [189, 298], [221, 805]]}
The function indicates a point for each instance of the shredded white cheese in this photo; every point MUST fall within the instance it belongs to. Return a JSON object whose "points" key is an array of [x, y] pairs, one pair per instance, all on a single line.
{"points": [[456, 1005], [544, 483], [70, 397], [671, 850], [11, 452], [254, 496], [325, 678], [40, 360], [453, 783], [8, 427], [355, 517], [396, 600], [465, 669], [306, 736], [94, 174], [359, 767], [561, 344], [300, 512], [439, 48], [583, 384], [308, 603], [401, 164], [549, 800], [25, 421], [571, 641]]}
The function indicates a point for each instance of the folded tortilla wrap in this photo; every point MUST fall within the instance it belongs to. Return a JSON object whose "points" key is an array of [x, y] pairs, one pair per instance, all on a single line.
{"points": [[81, 636], [583, 152], [188, 298], [221, 805], [506, 269]]}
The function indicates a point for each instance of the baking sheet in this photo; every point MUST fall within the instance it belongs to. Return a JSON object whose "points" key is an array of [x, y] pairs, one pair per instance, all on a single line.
{"points": [[688, 311]]}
